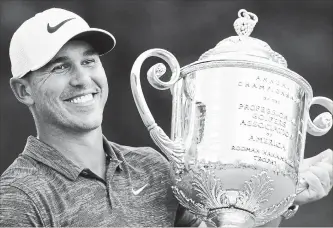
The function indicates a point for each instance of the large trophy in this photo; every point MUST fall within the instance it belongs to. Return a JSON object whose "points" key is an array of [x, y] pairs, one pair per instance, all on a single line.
{"points": [[239, 122]]}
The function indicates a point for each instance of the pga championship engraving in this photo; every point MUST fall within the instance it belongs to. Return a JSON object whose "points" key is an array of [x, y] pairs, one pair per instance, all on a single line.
{"points": [[239, 124]]}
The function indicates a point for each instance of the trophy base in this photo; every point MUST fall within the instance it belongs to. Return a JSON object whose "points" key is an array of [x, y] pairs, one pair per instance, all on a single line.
{"points": [[231, 217]]}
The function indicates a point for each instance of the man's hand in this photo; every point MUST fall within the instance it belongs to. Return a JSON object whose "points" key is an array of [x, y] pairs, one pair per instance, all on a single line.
{"points": [[316, 178]]}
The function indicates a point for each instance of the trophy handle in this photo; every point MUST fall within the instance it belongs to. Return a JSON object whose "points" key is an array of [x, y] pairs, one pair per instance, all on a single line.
{"points": [[323, 122], [174, 150]]}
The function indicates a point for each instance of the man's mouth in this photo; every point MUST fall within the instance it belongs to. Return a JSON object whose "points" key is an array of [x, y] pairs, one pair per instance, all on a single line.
{"points": [[82, 99]]}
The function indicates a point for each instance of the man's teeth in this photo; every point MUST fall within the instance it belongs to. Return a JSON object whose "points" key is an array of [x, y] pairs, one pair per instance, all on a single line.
{"points": [[82, 99]]}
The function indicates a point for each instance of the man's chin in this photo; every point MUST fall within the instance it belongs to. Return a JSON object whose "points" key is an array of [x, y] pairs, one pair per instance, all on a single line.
{"points": [[86, 125], [90, 127]]}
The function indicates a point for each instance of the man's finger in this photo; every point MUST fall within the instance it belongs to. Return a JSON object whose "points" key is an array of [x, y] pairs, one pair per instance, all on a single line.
{"points": [[328, 167], [326, 154], [315, 185], [322, 174], [314, 191]]}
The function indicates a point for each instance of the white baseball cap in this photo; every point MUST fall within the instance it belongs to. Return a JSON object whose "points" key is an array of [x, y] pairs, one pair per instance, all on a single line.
{"points": [[40, 38]]}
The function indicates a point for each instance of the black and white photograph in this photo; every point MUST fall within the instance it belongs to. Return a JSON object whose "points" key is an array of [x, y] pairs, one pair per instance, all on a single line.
{"points": [[166, 113]]}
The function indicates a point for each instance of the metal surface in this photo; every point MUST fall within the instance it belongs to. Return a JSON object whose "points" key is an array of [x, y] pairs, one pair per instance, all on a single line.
{"points": [[239, 123]]}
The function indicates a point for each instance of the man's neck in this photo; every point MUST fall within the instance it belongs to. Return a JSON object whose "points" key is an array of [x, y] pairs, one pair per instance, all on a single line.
{"points": [[83, 149]]}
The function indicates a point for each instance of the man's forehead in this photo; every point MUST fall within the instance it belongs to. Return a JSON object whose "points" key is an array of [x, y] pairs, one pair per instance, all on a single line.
{"points": [[75, 47]]}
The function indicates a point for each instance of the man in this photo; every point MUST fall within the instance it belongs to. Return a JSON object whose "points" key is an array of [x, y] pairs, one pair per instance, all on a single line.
{"points": [[70, 174]]}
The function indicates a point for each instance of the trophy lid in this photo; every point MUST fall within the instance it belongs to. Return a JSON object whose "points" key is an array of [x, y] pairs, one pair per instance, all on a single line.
{"points": [[243, 46], [243, 50]]}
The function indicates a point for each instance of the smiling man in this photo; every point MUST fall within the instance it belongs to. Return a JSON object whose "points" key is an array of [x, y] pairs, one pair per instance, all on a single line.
{"points": [[70, 174]]}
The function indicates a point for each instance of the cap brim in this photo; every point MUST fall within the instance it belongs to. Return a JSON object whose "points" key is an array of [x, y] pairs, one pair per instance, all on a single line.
{"points": [[101, 40]]}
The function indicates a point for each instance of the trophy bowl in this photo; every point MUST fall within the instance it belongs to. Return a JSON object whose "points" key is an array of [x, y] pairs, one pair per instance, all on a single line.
{"points": [[239, 123]]}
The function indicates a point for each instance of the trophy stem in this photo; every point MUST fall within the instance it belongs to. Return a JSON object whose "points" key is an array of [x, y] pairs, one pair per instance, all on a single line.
{"points": [[231, 217]]}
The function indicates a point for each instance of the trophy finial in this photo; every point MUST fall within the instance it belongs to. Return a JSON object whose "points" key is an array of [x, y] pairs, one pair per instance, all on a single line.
{"points": [[245, 23]]}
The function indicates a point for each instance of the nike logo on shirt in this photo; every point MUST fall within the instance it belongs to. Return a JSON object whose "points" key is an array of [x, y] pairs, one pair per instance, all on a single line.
{"points": [[136, 192], [52, 29]]}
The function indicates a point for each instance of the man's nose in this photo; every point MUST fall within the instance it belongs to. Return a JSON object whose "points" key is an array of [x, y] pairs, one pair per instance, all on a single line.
{"points": [[81, 77]]}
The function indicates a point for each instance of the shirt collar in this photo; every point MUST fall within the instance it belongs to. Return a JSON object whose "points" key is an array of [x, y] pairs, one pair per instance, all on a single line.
{"points": [[49, 156], [115, 156]]}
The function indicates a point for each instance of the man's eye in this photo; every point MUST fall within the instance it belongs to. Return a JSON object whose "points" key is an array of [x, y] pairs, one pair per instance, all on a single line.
{"points": [[88, 62], [60, 68]]}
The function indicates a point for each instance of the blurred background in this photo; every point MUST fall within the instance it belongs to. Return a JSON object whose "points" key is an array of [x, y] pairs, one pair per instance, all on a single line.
{"points": [[302, 31]]}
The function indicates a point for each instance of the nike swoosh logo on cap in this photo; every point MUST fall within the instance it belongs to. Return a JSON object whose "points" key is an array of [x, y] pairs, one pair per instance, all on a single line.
{"points": [[52, 29], [136, 192]]}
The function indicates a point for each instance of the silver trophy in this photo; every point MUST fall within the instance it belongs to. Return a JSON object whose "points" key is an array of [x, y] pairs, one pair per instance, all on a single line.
{"points": [[239, 122]]}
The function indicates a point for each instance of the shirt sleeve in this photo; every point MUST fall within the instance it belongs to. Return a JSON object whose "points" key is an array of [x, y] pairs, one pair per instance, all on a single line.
{"points": [[17, 209]]}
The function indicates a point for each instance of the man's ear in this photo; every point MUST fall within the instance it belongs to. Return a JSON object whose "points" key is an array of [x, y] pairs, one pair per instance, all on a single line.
{"points": [[22, 90]]}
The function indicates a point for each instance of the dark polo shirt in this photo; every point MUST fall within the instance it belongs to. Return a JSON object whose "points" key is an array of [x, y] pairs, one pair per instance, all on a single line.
{"points": [[43, 188]]}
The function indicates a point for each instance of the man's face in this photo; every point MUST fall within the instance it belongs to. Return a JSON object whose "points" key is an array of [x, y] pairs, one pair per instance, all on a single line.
{"points": [[70, 92]]}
